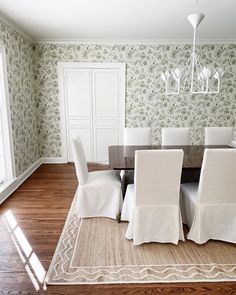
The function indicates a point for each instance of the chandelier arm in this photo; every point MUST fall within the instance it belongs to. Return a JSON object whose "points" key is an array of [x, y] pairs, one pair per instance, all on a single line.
{"points": [[207, 84], [197, 60], [198, 66], [185, 77], [207, 80], [218, 86], [188, 71]]}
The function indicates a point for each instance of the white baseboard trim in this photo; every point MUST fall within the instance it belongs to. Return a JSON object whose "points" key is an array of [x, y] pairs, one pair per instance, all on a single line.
{"points": [[59, 160], [18, 181], [21, 178]]}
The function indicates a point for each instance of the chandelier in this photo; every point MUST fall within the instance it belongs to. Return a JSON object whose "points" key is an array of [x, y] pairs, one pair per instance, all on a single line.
{"points": [[193, 78]]}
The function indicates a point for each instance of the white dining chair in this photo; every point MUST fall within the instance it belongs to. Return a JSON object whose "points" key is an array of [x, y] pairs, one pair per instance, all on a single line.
{"points": [[151, 204], [218, 135], [209, 208], [134, 136], [176, 136], [137, 136], [99, 193]]}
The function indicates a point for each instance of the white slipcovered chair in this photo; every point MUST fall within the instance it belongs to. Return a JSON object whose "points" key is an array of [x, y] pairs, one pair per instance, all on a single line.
{"points": [[99, 193], [151, 204], [176, 136], [218, 135], [137, 136], [209, 208], [134, 136]]}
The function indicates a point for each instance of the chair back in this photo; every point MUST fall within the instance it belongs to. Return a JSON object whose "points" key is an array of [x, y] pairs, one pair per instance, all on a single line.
{"points": [[157, 176], [137, 136], [80, 160], [218, 135], [176, 136], [218, 177]]}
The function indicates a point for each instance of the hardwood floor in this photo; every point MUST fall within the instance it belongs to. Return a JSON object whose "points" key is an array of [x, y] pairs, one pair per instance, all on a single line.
{"points": [[36, 212]]}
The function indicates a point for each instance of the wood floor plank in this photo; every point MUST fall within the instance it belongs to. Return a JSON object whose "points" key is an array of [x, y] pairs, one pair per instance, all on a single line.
{"points": [[40, 207]]}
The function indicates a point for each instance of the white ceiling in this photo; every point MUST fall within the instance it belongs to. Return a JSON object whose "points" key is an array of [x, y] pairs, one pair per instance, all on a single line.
{"points": [[121, 19]]}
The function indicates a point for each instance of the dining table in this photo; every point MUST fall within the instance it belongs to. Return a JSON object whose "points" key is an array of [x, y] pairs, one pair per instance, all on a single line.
{"points": [[122, 157]]}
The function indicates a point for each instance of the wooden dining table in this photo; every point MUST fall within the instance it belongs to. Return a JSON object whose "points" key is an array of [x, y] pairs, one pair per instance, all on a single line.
{"points": [[122, 158]]}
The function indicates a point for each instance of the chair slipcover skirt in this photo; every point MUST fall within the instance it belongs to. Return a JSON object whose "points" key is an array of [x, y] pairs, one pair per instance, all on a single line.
{"points": [[128, 205], [207, 221], [209, 208], [214, 222], [155, 224], [101, 196]]}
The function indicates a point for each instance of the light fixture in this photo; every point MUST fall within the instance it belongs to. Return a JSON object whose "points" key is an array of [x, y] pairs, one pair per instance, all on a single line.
{"points": [[193, 78]]}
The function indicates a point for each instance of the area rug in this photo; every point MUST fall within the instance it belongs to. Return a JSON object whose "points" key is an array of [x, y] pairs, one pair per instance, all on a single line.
{"points": [[95, 251]]}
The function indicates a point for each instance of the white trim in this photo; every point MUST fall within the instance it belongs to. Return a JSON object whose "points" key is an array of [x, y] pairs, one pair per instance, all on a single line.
{"points": [[10, 187], [59, 160], [62, 112], [133, 41], [122, 94], [10, 165], [91, 65], [18, 181], [10, 23], [61, 66]]}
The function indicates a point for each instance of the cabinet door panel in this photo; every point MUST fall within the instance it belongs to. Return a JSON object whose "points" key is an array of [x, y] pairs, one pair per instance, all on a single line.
{"points": [[105, 93], [78, 92], [105, 111], [94, 108]]}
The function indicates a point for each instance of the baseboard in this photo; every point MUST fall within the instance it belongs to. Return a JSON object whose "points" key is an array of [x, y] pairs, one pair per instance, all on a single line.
{"points": [[18, 181], [59, 160], [21, 178]]}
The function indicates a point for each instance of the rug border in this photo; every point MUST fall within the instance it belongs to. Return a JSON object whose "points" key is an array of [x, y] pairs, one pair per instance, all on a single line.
{"points": [[122, 282], [60, 239]]}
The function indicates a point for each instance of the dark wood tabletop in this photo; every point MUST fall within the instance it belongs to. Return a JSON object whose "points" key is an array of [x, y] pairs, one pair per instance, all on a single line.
{"points": [[122, 157]]}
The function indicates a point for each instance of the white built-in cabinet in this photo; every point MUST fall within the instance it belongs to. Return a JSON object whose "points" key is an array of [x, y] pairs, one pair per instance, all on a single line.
{"points": [[92, 99]]}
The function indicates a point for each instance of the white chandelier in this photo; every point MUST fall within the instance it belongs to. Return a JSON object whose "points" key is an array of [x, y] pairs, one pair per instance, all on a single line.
{"points": [[193, 78]]}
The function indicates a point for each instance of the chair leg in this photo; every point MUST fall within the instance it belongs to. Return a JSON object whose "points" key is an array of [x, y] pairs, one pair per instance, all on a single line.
{"points": [[118, 216], [124, 182]]}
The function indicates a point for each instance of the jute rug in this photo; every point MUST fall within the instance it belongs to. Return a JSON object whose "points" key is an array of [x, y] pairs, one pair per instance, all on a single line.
{"points": [[95, 251]]}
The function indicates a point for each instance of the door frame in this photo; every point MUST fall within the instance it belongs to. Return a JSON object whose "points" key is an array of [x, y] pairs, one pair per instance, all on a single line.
{"points": [[61, 66]]}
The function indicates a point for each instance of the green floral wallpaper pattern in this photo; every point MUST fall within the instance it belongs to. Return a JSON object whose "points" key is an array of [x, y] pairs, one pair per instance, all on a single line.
{"points": [[33, 90], [146, 103], [19, 58]]}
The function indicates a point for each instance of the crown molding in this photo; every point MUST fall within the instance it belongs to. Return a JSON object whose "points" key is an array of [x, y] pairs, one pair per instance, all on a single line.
{"points": [[10, 23], [133, 41]]}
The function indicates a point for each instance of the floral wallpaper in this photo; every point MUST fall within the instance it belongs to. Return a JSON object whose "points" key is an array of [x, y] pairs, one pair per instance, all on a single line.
{"points": [[146, 103], [19, 58], [34, 101]]}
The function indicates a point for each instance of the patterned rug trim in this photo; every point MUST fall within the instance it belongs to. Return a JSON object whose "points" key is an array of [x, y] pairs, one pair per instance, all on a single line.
{"points": [[62, 273]]}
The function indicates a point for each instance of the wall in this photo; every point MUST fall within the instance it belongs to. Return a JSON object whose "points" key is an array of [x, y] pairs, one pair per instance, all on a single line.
{"points": [[146, 103], [19, 58], [33, 90]]}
